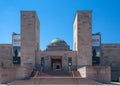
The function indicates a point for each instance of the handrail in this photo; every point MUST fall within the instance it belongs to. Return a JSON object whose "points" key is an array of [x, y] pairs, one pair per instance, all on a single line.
{"points": [[73, 74]]}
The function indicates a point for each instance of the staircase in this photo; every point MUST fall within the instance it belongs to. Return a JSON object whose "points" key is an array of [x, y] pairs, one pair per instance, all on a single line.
{"points": [[53, 74], [64, 81], [56, 78]]}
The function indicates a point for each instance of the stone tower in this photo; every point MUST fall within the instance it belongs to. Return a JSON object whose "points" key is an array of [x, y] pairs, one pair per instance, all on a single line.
{"points": [[83, 38], [29, 38]]}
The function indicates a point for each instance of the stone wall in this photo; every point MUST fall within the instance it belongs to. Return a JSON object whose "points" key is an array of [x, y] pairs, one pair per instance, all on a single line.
{"points": [[98, 73], [6, 55], [8, 74], [111, 57], [23, 72]]}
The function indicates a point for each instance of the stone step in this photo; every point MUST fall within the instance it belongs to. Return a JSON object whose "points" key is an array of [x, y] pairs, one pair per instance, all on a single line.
{"points": [[64, 80], [53, 74], [55, 81]]}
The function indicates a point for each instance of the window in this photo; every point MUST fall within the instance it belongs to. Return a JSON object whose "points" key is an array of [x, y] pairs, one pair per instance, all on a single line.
{"points": [[69, 60], [16, 60], [42, 60]]}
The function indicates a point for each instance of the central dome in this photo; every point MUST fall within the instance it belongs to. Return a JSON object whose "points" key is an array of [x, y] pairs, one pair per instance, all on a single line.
{"points": [[58, 41], [57, 44]]}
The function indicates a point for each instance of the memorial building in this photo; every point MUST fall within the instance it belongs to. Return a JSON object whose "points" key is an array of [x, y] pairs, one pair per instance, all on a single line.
{"points": [[89, 55]]}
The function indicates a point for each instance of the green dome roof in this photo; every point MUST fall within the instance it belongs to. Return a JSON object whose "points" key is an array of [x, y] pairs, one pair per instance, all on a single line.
{"points": [[57, 41], [57, 44]]}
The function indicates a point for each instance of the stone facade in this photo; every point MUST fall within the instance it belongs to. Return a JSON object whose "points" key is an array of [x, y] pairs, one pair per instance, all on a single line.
{"points": [[83, 38], [8, 74], [63, 58], [111, 57], [29, 38], [98, 73], [6, 55], [48, 55]]}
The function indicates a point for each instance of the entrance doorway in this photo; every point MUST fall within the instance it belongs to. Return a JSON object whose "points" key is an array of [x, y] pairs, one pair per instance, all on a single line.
{"points": [[56, 63]]}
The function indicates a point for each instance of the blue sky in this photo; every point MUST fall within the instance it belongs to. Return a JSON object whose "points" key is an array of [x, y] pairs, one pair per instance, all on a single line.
{"points": [[57, 17]]}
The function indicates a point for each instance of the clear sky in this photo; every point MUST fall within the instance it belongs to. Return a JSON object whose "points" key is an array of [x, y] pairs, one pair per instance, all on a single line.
{"points": [[57, 16]]}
